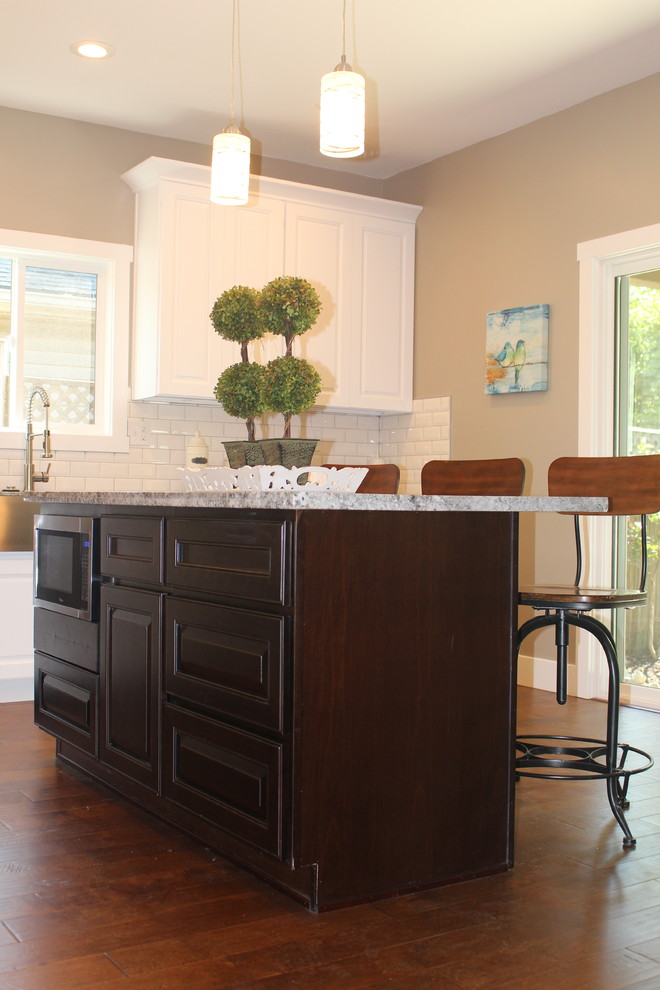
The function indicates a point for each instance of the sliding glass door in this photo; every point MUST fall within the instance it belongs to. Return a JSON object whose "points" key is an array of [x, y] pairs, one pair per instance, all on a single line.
{"points": [[637, 431]]}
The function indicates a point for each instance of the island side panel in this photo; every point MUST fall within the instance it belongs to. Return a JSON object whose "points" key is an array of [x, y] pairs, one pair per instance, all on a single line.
{"points": [[403, 695]]}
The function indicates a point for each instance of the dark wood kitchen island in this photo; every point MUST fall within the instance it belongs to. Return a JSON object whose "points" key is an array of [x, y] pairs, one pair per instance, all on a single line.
{"points": [[320, 687]]}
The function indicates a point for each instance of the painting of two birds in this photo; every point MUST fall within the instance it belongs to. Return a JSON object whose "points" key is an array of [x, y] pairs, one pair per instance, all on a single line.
{"points": [[517, 349]]}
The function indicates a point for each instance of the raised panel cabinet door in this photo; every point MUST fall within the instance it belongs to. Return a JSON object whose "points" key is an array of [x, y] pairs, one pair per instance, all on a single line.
{"points": [[232, 778], [383, 314], [65, 701], [318, 247], [230, 661], [131, 547], [237, 558], [176, 353], [130, 682], [247, 248], [187, 253]]}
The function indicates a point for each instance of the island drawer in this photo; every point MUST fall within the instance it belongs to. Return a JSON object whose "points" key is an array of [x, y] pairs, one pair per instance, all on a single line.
{"points": [[131, 547], [231, 778], [226, 659], [65, 701], [238, 558]]}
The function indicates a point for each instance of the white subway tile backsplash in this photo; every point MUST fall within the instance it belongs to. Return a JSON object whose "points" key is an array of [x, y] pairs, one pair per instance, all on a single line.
{"points": [[183, 426], [408, 439], [111, 470], [99, 485], [143, 410], [200, 413], [157, 455]]}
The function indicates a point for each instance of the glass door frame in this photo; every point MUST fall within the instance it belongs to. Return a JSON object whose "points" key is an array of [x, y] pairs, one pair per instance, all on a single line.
{"points": [[601, 262]]}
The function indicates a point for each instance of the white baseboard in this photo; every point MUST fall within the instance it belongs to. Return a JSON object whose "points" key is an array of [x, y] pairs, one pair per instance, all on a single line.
{"points": [[16, 679], [539, 673], [16, 689]]}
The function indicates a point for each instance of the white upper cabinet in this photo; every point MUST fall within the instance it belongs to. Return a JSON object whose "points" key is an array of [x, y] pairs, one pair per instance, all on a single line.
{"points": [[357, 251]]}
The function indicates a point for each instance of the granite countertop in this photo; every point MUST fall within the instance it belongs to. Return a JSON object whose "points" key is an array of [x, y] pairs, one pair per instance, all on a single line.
{"points": [[323, 499]]}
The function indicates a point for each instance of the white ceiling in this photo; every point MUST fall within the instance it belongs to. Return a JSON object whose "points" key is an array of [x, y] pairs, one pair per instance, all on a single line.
{"points": [[441, 74]]}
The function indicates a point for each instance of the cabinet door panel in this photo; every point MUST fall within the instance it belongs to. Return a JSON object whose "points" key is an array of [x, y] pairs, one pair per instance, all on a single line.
{"points": [[229, 660], [384, 314], [67, 638], [130, 655], [317, 245], [247, 248], [240, 559], [191, 340], [232, 778], [131, 548], [65, 700]]}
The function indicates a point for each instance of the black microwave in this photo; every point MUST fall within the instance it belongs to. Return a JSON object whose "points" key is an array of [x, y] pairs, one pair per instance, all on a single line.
{"points": [[65, 565]]}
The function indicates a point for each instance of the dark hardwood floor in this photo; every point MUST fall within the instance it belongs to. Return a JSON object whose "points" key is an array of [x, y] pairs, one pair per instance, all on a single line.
{"points": [[95, 894]]}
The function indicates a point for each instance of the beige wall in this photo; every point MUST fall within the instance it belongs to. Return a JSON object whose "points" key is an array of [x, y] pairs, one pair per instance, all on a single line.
{"points": [[61, 176], [499, 228]]}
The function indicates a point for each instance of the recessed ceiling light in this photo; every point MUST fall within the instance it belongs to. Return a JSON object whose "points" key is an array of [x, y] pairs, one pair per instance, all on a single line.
{"points": [[92, 49]]}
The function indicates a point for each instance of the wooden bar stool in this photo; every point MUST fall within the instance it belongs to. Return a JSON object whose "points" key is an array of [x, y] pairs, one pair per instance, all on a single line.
{"points": [[382, 479], [494, 476], [632, 485]]}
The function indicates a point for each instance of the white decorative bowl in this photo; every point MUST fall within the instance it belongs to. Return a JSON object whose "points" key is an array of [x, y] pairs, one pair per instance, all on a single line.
{"points": [[271, 477]]}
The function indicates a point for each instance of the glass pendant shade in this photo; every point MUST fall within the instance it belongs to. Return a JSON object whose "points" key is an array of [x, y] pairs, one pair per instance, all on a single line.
{"points": [[230, 168], [342, 113]]}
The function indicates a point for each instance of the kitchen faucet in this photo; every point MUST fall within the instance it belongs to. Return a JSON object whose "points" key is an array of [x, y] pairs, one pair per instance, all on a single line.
{"points": [[29, 474]]}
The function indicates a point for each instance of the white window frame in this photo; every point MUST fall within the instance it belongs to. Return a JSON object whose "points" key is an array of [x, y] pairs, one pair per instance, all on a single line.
{"points": [[602, 261], [113, 264]]}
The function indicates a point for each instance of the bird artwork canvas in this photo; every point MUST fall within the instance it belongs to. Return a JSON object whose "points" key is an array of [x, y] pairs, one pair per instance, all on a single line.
{"points": [[517, 349]]}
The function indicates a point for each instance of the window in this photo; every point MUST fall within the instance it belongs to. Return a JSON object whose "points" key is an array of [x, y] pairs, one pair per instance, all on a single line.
{"points": [[64, 326]]}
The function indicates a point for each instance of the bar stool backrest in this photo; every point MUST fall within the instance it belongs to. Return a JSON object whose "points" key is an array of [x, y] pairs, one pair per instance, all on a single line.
{"points": [[492, 476], [382, 479], [632, 485]]}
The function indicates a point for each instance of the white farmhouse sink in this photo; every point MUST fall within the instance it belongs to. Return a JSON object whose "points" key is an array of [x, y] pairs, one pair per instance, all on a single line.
{"points": [[16, 522]]}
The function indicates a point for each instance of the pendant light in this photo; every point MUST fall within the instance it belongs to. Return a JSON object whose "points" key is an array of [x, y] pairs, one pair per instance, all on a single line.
{"points": [[230, 162], [342, 108]]}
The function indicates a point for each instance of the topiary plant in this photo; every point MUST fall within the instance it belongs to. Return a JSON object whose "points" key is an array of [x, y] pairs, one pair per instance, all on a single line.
{"points": [[289, 306], [290, 386], [236, 316], [240, 390]]}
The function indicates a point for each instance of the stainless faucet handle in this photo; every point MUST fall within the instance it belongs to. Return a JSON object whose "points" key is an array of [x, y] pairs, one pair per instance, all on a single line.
{"points": [[42, 476], [47, 451]]}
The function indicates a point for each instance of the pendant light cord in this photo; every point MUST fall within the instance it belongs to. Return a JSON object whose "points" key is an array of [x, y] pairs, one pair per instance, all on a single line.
{"points": [[343, 35], [233, 48]]}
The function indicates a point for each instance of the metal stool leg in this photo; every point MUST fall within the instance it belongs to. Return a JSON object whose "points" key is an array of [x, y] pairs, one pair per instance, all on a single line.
{"points": [[583, 758], [615, 792]]}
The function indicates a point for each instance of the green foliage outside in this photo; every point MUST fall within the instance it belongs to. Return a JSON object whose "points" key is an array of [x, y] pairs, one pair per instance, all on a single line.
{"points": [[642, 632]]}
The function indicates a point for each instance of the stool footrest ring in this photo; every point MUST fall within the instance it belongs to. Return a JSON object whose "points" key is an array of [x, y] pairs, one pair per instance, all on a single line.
{"points": [[575, 758], [579, 758]]}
